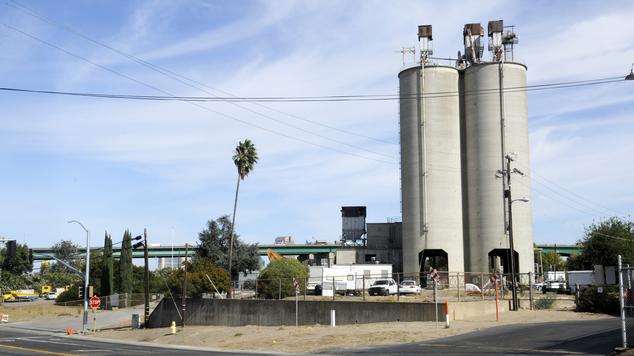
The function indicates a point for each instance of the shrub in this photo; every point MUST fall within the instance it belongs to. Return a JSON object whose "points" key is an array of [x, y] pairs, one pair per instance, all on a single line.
{"points": [[197, 282], [280, 274], [544, 303], [590, 300], [69, 295]]}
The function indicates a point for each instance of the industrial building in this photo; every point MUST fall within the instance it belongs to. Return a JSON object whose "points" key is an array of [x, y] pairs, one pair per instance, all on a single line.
{"points": [[464, 145]]}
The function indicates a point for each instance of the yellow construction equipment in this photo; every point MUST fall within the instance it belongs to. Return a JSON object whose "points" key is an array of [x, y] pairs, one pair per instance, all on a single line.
{"points": [[274, 256]]}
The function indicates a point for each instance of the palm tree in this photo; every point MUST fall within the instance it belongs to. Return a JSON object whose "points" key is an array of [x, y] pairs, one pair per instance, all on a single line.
{"points": [[245, 157]]}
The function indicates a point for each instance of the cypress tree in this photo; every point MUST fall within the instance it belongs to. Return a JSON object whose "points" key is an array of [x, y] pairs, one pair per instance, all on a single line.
{"points": [[107, 272], [125, 263]]}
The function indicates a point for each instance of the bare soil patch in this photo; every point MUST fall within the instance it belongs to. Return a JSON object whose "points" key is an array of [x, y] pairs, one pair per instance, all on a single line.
{"points": [[320, 338]]}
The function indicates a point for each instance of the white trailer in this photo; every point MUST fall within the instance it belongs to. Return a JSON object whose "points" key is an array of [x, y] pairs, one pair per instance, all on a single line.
{"points": [[346, 279], [581, 278]]}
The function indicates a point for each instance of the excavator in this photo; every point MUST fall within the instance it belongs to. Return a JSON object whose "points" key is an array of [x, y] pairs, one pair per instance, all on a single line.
{"points": [[274, 256]]}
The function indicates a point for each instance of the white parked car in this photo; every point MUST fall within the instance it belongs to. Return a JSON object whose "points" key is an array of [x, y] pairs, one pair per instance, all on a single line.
{"points": [[51, 296], [409, 286], [383, 287]]}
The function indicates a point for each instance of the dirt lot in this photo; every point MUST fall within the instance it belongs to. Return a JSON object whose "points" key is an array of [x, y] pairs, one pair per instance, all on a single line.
{"points": [[20, 311], [319, 338]]}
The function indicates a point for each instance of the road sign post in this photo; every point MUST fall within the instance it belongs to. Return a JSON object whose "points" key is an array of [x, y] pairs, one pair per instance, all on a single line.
{"points": [[296, 285], [94, 302]]}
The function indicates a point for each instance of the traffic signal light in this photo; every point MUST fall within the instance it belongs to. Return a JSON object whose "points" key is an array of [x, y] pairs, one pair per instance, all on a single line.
{"points": [[138, 238], [137, 245], [81, 292], [11, 248]]}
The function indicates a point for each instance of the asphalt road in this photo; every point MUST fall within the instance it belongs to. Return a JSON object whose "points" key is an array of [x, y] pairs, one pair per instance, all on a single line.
{"points": [[587, 337], [21, 342]]}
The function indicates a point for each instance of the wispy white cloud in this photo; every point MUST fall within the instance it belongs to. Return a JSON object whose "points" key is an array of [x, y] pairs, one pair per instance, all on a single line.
{"points": [[312, 48]]}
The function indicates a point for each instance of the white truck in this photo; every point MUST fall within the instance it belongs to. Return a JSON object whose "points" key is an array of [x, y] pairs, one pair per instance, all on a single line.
{"points": [[345, 279]]}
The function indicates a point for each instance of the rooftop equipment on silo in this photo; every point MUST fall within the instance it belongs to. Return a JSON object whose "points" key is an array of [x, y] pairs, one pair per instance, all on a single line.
{"points": [[425, 41], [473, 46]]}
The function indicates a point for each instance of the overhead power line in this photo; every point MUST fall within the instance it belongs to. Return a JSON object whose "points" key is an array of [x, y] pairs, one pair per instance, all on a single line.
{"points": [[305, 99], [175, 76], [176, 98], [168, 94]]}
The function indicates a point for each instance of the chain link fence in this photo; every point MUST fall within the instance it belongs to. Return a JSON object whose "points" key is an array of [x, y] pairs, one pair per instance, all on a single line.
{"points": [[116, 301], [402, 287]]}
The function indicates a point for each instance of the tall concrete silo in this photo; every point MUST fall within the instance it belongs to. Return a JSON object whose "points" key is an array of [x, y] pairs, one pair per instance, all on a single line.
{"points": [[496, 122], [430, 164]]}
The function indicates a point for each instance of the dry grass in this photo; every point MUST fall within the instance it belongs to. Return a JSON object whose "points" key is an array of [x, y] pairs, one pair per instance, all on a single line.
{"points": [[320, 338], [32, 310]]}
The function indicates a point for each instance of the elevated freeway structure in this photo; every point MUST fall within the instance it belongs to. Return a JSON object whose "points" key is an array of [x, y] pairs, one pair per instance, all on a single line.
{"points": [[302, 251]]}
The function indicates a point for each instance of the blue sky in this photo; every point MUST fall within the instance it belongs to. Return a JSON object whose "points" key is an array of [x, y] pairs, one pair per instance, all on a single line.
{"points": [[167, 166]]}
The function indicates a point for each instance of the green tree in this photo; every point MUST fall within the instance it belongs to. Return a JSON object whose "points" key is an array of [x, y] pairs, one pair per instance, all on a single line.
{"points": [[107, 270], [67, 251], [96, 270], [18, 264], [245, 157], [197, 281], [551, 261], [60, 278], [125, 264], [603, 242], [214, 244], [280, 274]]}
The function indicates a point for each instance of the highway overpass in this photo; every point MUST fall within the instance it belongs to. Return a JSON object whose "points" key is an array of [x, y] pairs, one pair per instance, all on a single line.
{"points": [[179, 250]]}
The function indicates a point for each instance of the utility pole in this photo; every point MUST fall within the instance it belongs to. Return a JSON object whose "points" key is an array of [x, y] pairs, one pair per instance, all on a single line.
{"points": [[147, 281], [184, 297], [510, 201]]}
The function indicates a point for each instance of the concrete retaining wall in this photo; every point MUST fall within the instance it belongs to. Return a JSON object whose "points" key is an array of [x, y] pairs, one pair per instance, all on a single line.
{"points": [[476, 309], [282, 312]]}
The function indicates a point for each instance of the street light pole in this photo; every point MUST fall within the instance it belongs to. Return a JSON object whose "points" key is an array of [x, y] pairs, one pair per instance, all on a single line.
{"points": [[146, 284], [84, 324]]}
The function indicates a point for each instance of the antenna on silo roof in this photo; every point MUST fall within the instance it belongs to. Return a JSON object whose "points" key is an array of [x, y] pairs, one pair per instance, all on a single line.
{"points": [[405, 51]]}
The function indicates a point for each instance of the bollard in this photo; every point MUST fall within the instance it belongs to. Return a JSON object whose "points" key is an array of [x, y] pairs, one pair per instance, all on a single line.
{"points": [[446, 315], [497, 302], [173, 327], [332, 318]]}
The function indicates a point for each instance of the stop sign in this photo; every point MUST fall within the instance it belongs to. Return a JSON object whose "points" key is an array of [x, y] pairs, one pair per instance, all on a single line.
{"points": [[95, 302]]}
